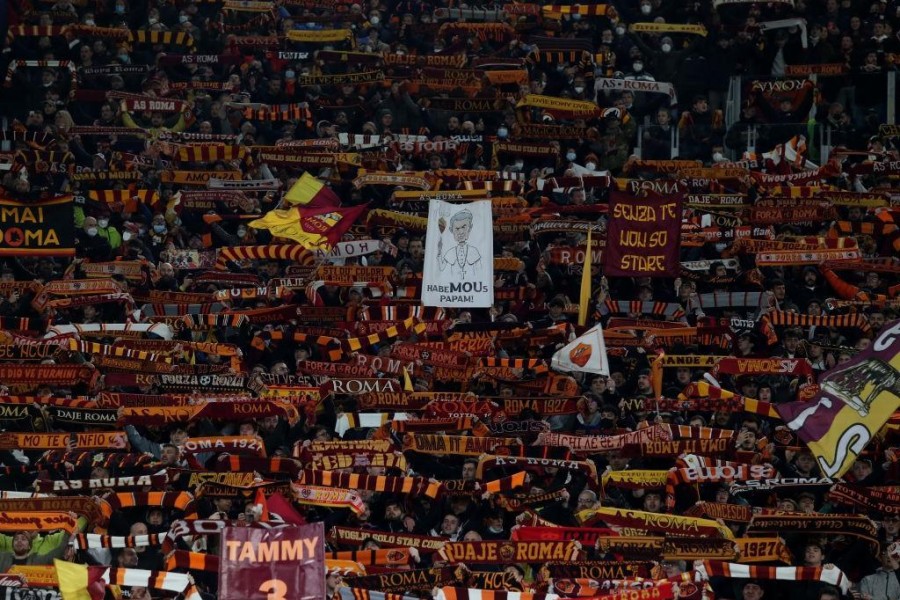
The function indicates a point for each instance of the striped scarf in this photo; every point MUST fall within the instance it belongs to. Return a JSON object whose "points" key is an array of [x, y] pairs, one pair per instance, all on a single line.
{"points": [[731, 300], [144, 36], [119, 351], [715, 568], [406, 327], [182, 501], [209, 153], [210, 321], [780, 318], [281, 112], [295, 253], [669, 310], [378, 483], [87, 541], [159, 580], [43, 64]]}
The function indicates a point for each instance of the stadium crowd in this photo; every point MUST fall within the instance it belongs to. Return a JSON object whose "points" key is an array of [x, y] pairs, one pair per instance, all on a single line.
{"points": [[200, 369]]}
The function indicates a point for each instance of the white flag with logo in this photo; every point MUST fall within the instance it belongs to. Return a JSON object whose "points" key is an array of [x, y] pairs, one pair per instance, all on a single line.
{"points": [[459, 255], [586, 354]]}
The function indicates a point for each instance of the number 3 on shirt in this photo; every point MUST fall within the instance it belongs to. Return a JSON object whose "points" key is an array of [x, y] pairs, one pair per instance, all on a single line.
{"points": [[275, 589]]}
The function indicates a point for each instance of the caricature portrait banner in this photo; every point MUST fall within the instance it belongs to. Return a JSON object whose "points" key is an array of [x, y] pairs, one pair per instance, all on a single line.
{"points": [[459, 251]]}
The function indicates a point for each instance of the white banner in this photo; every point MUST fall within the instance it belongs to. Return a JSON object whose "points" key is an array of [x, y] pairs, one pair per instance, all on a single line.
{"points": [[459, 255]]}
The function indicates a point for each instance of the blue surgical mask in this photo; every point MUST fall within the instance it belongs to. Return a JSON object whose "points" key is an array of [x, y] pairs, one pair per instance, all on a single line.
{"points": [[571, 156], [120, 10], [159, 228], [502, 132]]}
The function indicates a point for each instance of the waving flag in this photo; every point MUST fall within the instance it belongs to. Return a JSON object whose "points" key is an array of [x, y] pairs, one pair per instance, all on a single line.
{"points": [[855, 400], [587, 354], [312, 228]]}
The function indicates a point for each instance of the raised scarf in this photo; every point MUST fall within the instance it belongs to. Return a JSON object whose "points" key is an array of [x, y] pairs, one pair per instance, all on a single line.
{"points": [[589, 444], [423, 580], [356, 537], [870, 499], [832, 575], [508, 552], [856, 525], [656, 522], [378, 483]]}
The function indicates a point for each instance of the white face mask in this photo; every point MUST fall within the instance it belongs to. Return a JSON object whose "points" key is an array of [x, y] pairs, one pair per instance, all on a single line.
{"points": [[183, 19], [590, 166], [718, 157], [502, 132], [374, 20], [519, 165], [579, 89], [667, 47], [645, 9], [570, 156], [91, 231], [620, 31], [103, 223], [159, 228], [241, 232], [638, 67]]}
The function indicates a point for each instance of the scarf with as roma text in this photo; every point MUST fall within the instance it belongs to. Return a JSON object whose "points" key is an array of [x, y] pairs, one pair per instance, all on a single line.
{"points": [[649, 521], [192, 561], [532, 463], [123, 482]]}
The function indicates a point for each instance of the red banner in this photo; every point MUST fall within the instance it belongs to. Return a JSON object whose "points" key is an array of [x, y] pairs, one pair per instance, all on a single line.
{"points": [[257, 564], [644, 234]]}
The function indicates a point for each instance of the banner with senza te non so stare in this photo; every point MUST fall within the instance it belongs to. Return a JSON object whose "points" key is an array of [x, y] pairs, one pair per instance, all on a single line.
{"points": [[44, 228]]}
